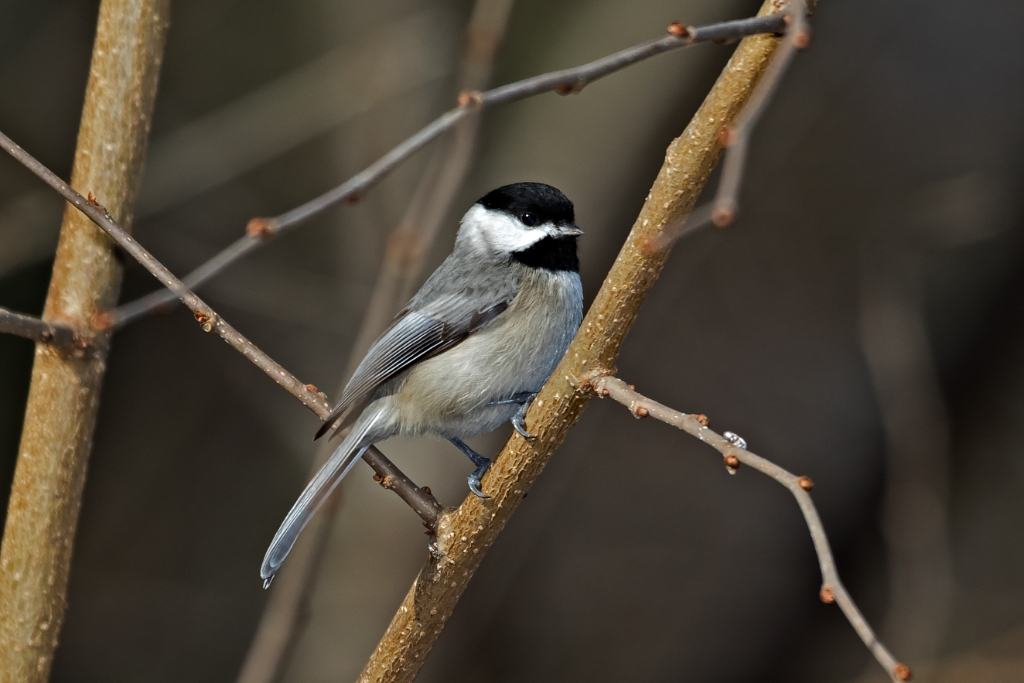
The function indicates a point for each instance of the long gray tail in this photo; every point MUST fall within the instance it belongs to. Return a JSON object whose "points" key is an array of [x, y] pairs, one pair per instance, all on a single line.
{"points": [[345, 456]]}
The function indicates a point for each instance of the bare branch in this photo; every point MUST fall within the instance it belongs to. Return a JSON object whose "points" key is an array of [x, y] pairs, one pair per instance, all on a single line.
{"points": [[59, 336], [262, 230], [734, 452], [464, 535], [390, 477], [210, 321]]}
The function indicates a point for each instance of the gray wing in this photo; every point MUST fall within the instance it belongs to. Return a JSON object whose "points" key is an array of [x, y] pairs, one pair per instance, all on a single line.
{"points": [[432, 323]]}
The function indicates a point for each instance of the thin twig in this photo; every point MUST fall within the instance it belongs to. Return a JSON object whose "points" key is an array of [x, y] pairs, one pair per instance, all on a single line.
{"points": [[737, 135], [59, 336], [735, 453], [261, 230], [210, 321]]}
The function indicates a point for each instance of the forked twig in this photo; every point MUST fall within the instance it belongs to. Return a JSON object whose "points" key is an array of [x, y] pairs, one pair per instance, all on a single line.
{"points": [[422, 503], [261, 230], [735, 453]]}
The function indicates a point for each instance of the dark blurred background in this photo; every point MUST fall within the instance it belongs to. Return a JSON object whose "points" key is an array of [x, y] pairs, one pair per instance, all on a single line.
{"points": [[862, 323]]}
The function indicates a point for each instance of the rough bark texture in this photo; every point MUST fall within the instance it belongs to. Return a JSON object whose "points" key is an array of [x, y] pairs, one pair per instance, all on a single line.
{"points": [[64, 395], [464, 535]]}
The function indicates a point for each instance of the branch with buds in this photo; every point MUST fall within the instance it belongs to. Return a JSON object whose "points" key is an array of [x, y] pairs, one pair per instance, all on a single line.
{"points": [[420, 501], [734, 453], [260, 231]]}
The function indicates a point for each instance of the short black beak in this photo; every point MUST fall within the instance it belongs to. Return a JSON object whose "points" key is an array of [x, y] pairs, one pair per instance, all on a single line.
{"points": [[570, 230]]}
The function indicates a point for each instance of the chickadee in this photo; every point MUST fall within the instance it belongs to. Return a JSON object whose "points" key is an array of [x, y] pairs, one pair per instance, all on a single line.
{"points": [[469, 351]]}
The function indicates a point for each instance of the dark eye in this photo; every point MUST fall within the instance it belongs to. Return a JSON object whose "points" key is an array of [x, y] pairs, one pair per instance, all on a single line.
{"points": [[528, 219]]}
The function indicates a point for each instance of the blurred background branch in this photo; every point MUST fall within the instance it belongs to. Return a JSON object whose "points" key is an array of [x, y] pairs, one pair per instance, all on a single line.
{"points": [[914, 520], [403, 263]]}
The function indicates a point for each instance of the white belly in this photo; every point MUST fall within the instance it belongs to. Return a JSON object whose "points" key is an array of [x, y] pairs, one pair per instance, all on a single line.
{"points": [[449, 394]]}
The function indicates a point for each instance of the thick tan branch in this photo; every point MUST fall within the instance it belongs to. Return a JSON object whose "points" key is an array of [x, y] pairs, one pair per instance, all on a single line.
{"points": [[64, 395], [734, 453], [464, 535]]}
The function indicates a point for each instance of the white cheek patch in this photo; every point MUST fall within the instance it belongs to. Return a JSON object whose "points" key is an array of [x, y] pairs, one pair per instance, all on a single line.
{"points": [[494, 231]]}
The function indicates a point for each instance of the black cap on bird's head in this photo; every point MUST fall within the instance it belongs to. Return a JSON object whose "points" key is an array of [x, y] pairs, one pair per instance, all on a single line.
{"points": [[529, 223], [531, 203]]}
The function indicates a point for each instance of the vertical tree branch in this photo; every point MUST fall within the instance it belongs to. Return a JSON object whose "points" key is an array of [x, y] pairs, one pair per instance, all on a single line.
{"points": [[464, 535], [64, 394]]}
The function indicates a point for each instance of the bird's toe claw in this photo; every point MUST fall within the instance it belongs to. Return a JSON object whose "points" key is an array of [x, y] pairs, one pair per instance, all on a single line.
{"points": [[474, 486], [519, 422]]}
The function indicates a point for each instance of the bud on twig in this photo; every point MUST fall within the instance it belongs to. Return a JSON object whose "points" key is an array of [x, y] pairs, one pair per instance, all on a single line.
{"points": [[260, 227], [678, 30]]}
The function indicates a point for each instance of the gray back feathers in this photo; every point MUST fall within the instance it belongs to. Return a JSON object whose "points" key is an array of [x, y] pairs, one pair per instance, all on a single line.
{"points": [[464, 295]]}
